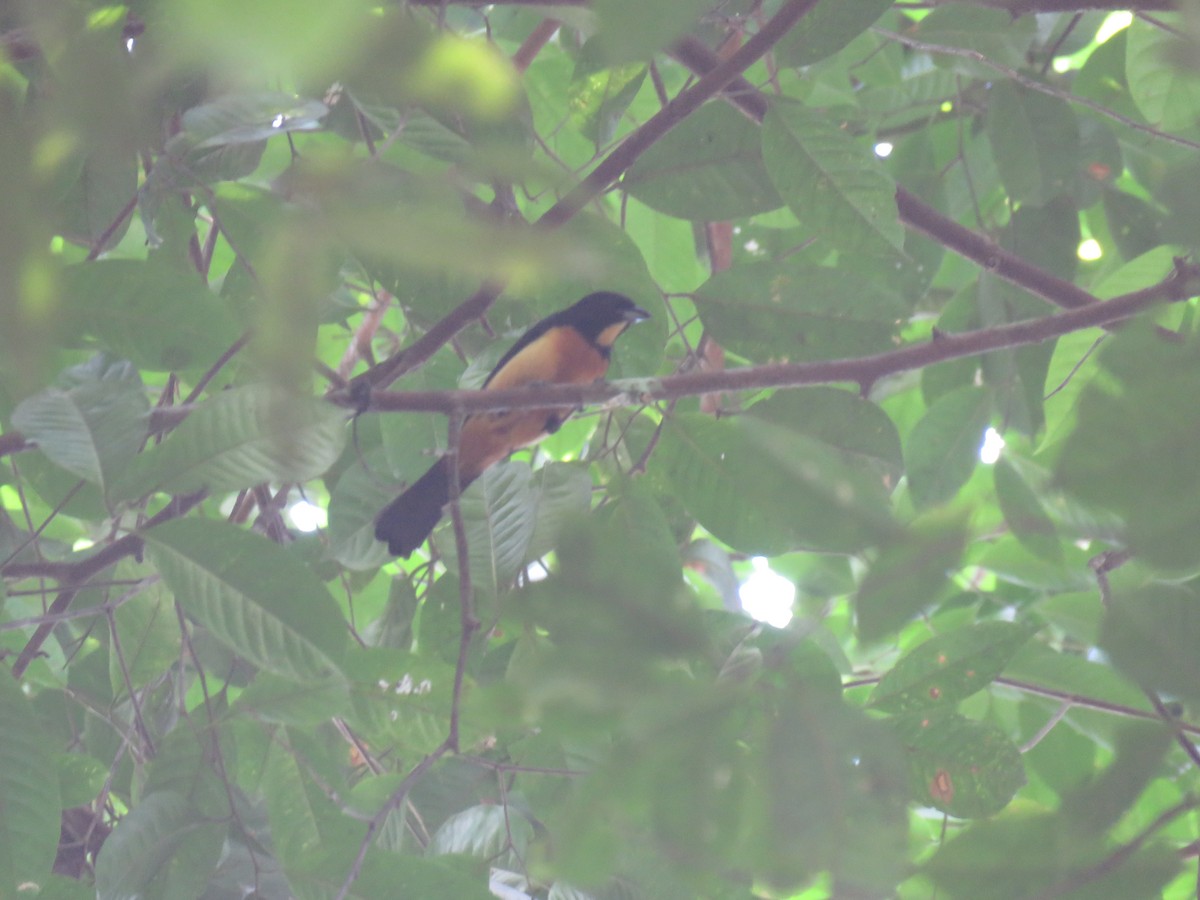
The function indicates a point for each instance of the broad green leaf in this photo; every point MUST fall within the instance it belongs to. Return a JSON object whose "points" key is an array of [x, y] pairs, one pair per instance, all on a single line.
{"points": [[1149, 634], [835, 800], [965, 768], [152, 847], [857, 428], [106, 183], [1155, 406], [239, 438], [29, 794], [1024, 514], [499, 513], [359, 494], [1035, 140], [246, 118], [253, 595], [284, 701], [826, 29], [992, 33], [949, 667], [148, 631], [631, 29], [1162, 80], [484, 831], [1031, 856], [402, 700], [599, 94], [1097, 806], [91, 426], [621, 567], [563, 492], [158, 317], [1135, 225], [943, 447], [910, 574], [795, 312], [295, 811], [708, 168], [833, 184], [765, 489], [80, 778]]}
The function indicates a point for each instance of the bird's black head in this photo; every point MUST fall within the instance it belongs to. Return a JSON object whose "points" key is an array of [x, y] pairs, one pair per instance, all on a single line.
{"points": [[602, 316]]}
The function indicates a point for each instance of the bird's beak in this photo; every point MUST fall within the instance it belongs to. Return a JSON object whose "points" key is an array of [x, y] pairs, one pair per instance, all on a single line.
{"points": [[637, 314]]}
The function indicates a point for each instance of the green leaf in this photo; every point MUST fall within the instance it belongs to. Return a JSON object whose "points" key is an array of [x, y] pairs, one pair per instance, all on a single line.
{"points": [[158, 317], [835, 800], [239, 438], [1035, 140], [943, 447], [911, 573], [949, 667], [563, 493], [859, 430], [1149, 633], [354, 502], [763, 488], [631, 29], [148, 632], [1162, 77], [253, 595], [833, 184], [992, 33], [964, 768], [600, 94], [826, 29], [708, 168], [1160, 508], [1141, 748], [1024, 514], [281, 700], [485, 831], [80, 778], [29, 794], [1024, 856], [94, 202], [244, 118], [794, 312], [144, 844], [94, 424], [499, 513]]}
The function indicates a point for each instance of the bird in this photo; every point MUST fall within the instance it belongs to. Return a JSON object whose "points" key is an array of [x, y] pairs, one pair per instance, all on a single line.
{"points": [[571, 346]]}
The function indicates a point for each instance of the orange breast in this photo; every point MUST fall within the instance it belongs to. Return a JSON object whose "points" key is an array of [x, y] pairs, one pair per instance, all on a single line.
{"points": [[560, 356]]}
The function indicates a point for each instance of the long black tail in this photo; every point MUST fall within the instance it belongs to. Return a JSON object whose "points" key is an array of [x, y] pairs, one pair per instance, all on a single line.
{"points": [[406, 521]]}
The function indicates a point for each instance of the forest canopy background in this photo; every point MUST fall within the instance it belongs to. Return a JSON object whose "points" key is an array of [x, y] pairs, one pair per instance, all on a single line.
{"points": [[256, 257]]}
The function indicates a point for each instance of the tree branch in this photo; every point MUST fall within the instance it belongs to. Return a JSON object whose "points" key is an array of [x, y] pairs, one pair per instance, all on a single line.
{"points": [[863, 370], [914, 212], [713, 81], [72, 576]]}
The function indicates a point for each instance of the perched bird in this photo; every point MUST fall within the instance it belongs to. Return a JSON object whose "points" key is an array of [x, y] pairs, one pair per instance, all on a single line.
{"points": [[571, 346]]}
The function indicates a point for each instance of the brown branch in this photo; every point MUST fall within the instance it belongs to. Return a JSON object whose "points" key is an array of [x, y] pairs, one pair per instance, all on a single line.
{"points": [[721, 74], [72, 576], [533, 44], [13, 442], [1117, 858], [862, 370], [1034, 85], [914, 212]]}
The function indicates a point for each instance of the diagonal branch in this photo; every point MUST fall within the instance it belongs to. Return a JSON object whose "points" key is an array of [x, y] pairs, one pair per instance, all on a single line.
{"points": [[866, 370], [713, 81], [914, 212]]}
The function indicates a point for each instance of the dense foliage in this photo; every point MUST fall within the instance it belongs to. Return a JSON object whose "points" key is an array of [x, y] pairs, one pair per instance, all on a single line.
{"points": [[253, 256]]}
